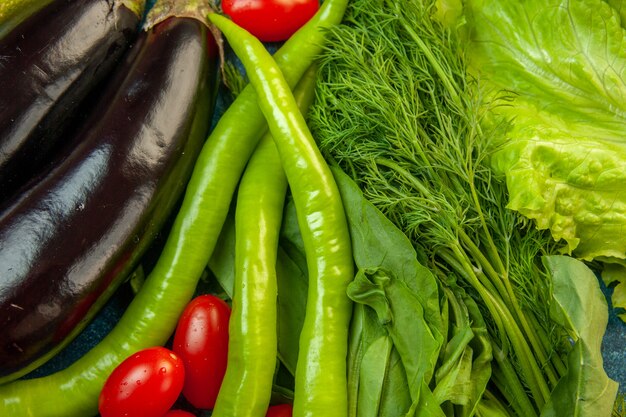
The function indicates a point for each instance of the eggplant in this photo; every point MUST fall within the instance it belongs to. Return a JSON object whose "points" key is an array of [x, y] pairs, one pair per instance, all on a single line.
{"points": [[69, 242], [48, 65]]}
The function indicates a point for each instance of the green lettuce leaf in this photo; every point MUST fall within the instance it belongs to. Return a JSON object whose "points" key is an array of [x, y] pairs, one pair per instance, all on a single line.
{"points": [[620, 7], [556, 71], [562, 65]]}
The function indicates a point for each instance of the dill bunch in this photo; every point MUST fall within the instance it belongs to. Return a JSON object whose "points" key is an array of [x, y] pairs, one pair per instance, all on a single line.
{"points": [[397, 111]]}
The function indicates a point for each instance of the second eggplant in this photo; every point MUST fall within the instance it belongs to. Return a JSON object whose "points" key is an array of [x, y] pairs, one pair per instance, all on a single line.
{"points": [[67, 243], [49, 63]]}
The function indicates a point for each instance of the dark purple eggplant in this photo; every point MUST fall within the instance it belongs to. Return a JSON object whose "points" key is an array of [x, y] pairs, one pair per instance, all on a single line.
{"points": [[68, 243], [48, 65]]}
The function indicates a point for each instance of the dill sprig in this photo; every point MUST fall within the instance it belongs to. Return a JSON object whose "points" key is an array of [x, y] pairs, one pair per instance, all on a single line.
{"points": [[397, 111]]}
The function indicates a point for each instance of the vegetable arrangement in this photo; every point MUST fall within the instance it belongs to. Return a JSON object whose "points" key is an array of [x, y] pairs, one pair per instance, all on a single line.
{"points": [[364, 261], [419, 147], [151, 317]]}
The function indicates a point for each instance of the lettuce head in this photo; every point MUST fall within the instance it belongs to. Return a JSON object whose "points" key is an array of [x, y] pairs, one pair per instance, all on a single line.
{"points": [[557, 72]]}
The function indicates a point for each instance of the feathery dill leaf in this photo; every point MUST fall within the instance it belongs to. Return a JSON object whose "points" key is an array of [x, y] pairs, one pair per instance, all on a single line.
{"points": [[397, 111]]}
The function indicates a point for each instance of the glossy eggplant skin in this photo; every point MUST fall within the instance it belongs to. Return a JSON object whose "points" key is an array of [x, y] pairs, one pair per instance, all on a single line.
{"points": [[48, 65], [68, 243]]}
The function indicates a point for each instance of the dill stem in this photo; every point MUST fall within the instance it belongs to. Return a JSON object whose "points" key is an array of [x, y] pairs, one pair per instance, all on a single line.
{"points": [[481, 259], [451, 261], [510, 386], [507, 325], [505, 290], [406, 174], [491, 246], [447, 82], [556, 360], [534, 377]]}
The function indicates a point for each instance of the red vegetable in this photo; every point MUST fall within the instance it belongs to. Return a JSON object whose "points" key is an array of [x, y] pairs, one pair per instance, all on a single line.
{"points": [[280, 410], [201, 340], [270, 20], [146, 384]]}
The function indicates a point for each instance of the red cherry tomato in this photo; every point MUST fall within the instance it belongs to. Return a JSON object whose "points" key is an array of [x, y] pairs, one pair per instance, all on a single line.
{"points": [[280, 410], [145, 384], [178, 413], [201, 340], [270, 20]]}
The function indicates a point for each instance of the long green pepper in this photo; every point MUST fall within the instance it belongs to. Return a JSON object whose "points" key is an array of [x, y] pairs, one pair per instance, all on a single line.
{"points": [[321, 383], [253, 346], [151, 317]]}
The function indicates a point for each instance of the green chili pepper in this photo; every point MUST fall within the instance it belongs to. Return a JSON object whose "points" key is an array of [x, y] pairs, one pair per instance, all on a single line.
{"points": [[151, 317], [13, 12], [252, 346], [321, 386]]}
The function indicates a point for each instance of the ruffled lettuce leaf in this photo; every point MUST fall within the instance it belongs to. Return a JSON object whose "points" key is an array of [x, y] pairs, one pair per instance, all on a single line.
{"points": [[557, 70], [620, 7]]}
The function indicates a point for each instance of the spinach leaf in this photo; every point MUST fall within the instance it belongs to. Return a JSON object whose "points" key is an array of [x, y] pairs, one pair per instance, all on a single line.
{"points": [[465, 366], [397, 309], [579, 305]]}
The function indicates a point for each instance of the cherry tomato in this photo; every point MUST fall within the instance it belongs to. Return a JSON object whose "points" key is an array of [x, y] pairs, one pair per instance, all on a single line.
{"points": [[201, 340], [280, 410], [145, 384], [178, 413], [270, 20]]}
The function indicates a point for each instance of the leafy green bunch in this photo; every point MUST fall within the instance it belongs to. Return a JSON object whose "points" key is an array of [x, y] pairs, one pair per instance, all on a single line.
{"points": [[398, 112]]}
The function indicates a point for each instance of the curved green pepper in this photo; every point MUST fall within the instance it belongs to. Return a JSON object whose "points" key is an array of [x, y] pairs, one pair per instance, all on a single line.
{"points": [[252, 347], [321, 386]]}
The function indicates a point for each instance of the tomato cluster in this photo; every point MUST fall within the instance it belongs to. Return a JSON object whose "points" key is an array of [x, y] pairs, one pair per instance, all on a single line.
{"points": [[148, 383]]}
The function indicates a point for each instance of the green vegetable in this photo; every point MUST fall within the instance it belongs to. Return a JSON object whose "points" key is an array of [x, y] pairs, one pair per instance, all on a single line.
{"points": [[151, 317], [252, 346], [398, 112], [563, 67], [397, 308], [12, 12], [403, 294], [291, 274], [586, 382], [321, 371]]}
